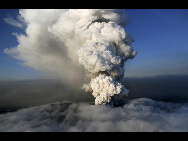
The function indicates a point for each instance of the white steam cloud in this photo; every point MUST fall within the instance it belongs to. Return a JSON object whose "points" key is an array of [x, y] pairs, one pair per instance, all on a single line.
{"points": [[138, 115], [57, 40], [18, 22]]}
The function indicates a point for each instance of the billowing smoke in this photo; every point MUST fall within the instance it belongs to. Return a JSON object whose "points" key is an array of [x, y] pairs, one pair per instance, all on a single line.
{"points": [[57, 40]]}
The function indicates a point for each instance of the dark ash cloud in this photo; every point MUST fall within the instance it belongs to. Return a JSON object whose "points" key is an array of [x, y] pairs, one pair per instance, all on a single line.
{"points": [[166, 88], [74, 110], [20, 94]]}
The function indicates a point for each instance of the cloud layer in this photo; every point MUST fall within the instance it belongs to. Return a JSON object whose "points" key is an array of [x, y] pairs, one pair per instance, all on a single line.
{"points": [[137, 115]]}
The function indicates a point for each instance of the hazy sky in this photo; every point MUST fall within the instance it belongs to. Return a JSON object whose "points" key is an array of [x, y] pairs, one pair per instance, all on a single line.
{"points": [[161, 40]]}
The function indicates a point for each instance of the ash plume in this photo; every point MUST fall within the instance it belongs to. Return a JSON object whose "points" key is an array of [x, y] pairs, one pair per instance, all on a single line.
{"points": [[58, 40]]}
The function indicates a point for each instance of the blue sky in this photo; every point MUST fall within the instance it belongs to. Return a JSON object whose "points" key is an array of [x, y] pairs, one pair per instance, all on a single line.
{"points": [[10, 68], [161, 40]]}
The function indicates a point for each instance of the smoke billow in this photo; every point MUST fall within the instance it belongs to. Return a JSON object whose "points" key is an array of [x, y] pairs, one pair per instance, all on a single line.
{"points": [[57, 40]]}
